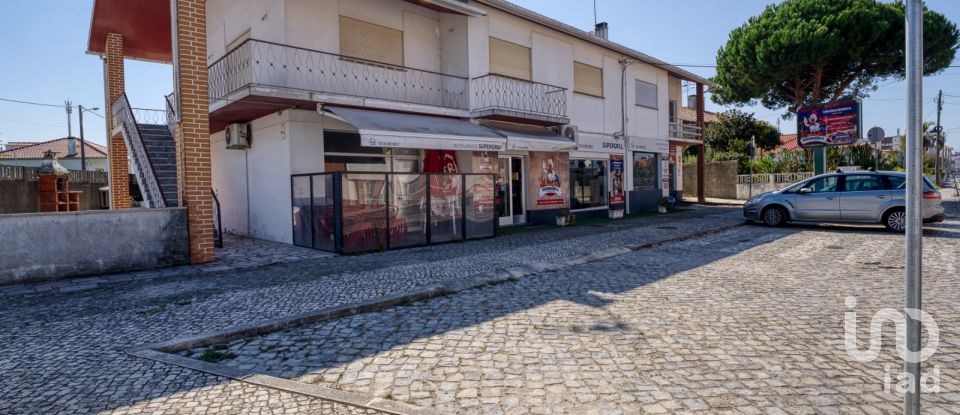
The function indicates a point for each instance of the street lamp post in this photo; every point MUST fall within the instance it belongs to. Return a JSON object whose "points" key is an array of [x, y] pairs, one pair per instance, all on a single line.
{"points": [[914, 251], [83, 145]]}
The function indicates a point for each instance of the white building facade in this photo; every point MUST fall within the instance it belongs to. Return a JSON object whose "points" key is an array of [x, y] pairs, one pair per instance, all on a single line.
{"points": [[560, 120]]}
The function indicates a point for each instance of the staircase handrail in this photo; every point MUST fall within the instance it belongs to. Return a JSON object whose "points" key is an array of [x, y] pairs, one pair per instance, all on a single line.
{"points": [[124, 120]]}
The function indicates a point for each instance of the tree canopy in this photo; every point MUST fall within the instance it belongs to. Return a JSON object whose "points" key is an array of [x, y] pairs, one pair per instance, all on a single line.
{"points": [[806, 52], [733, 129]]}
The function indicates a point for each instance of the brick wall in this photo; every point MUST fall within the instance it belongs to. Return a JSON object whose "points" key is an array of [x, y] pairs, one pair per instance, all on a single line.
{"points": [[193, 133], [119, 169]]}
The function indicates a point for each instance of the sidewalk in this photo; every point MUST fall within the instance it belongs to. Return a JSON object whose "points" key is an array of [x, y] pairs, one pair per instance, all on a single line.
{"points": [[63, 352], [715, 201]]}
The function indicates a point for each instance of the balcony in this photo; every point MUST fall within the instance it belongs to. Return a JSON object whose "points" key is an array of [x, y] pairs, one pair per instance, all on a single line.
{"points": [[258, 63], [684, 130], [512, 99]]}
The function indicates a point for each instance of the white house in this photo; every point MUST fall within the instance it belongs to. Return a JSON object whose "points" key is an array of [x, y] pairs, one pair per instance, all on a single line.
{"points": [[68, 151]]}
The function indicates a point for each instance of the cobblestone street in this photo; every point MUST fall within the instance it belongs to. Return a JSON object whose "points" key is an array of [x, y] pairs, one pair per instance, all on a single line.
{"points": [[749, 320]]}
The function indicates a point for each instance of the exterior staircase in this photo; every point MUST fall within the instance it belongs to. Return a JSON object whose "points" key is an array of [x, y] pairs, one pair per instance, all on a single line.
{"points": [[152, 149], [162, 154]]}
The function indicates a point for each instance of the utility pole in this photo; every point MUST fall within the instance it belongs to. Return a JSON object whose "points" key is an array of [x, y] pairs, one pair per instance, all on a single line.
{"points": [[69, 105], [914, 250], [938, 135], [83, 145]]}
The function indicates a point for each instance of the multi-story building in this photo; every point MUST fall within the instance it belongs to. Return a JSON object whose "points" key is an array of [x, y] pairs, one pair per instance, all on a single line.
{"points": [[562, 119]]}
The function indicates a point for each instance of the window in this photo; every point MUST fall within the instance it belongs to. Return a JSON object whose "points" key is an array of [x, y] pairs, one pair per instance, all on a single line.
{"points": [[644, 171], [509, 59], [823, 184], [897, 182], [587, 79], [588, 183], [343, 152], [646, 94], [863, 183], [362, 40]]}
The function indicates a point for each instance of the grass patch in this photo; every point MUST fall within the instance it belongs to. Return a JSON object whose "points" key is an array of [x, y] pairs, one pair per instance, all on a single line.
{"points": [[214, 356]]}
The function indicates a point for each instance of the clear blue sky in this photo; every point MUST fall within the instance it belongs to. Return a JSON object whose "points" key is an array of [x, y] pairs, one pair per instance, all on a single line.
{"points": [[46, 40]]}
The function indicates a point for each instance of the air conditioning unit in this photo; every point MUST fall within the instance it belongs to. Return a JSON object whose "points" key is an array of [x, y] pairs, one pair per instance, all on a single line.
{"points": [[238, 136], [568, 131]]}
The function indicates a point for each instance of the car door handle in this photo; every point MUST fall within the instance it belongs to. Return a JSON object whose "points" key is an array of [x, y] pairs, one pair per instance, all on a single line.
{"points": [[828, 197], [881, 197]]}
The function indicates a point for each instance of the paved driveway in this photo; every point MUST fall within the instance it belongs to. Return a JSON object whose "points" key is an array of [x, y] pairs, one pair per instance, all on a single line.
{"points": [[746, 321]]}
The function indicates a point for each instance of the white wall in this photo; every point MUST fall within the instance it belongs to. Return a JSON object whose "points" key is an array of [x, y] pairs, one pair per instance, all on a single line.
{"points": [[231, 21]]}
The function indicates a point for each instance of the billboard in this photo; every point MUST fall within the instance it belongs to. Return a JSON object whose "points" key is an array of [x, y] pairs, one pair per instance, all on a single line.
{"points": [[616, 179], [832, 124]]}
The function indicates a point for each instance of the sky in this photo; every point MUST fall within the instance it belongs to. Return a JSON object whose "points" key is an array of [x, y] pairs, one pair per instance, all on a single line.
{"points": [[46, 61]]}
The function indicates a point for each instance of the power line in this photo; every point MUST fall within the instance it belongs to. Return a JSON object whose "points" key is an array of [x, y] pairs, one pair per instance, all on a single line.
{"points": [[31, 103]]}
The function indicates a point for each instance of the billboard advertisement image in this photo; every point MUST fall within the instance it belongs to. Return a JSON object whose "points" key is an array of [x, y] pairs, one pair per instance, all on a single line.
{"points": [[548, 173], [616, 180], [832, 124]]}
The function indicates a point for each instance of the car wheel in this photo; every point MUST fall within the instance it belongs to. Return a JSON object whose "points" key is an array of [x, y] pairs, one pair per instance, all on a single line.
{"points": [[774, 216], [895, 220]]}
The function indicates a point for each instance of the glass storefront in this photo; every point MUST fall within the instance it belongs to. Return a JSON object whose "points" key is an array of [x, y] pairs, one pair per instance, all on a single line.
{"points": [[588, 183], [645, 166]]}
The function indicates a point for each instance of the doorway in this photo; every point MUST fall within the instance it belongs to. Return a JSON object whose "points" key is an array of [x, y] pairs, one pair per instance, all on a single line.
{"points": [[510, 194]]}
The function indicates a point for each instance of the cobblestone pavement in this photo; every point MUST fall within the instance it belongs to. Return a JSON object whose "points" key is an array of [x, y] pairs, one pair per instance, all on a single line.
{"points": [[62, 352], [746, 321]]}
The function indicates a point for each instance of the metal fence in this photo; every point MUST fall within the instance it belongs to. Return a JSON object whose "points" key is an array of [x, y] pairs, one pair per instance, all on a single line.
{"points": [[257, 62], [773, 178], [497, 92], [349, 212], [30, 174]]}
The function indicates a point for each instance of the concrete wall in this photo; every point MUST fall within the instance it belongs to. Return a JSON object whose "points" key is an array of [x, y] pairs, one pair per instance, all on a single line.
{"points": [[50, 246], [720, 179]]}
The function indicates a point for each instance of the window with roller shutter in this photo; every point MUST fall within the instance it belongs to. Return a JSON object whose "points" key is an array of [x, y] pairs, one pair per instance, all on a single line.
{"points": [[509, 59], [367, 41], [587, 79]]}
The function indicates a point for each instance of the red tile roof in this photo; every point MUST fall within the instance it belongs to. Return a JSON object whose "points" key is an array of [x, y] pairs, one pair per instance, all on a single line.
{"points": [[27, 150], [788, 142]]}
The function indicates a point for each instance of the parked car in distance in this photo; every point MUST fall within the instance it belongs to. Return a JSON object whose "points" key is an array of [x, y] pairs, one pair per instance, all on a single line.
{"points": [[846, 197]]}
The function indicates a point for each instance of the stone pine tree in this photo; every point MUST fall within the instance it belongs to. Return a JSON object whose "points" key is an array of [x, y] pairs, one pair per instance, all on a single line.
{"points": [[807, 52]]}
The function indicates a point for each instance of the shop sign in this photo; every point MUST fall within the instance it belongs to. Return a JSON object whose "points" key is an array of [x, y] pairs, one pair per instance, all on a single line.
{"points": [[599, 143], [616, 180], [447, 143], [649, 145]]}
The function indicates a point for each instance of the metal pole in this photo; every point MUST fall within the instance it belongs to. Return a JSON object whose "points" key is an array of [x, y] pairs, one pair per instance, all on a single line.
{"points": [[83, 146], [753, 152], [938, 133], [914, 153], [69, 106]]}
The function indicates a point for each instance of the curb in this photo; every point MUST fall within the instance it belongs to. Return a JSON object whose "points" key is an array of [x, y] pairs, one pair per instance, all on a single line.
{"points": [[162, 351]]}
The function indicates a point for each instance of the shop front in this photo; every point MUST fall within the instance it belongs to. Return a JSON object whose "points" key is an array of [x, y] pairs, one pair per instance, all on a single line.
{"points": [[397, 180], [597, 174], [649, 175]]}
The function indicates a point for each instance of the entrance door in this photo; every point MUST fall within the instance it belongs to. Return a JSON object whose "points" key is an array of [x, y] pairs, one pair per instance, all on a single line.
{"points": [[510, 199]]}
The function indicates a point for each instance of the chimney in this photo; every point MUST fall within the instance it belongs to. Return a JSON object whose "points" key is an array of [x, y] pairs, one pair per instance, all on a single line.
{"points": [[692, 101], [601, 30], [71, 146]]}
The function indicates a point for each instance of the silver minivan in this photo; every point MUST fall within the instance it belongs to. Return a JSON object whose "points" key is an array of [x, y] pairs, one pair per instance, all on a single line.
{"points": [[855, 197]]}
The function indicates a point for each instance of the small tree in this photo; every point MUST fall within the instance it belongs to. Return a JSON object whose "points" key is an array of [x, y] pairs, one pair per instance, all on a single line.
{"points": [[733, 129]]}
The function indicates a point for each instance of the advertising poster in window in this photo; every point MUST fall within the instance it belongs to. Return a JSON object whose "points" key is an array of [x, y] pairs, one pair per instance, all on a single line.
{"points": [[830, 124], [616, 180], [549, 177], [482, 190]]}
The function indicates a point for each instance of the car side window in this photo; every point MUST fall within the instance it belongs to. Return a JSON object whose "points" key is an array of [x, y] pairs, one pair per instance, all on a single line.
{"points": [[823, 184], [897, 182], [863, 183]]}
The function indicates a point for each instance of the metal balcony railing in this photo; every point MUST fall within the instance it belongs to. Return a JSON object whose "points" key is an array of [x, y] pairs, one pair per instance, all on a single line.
{"points": [[256, 62], [685, 130], [492, 93]]}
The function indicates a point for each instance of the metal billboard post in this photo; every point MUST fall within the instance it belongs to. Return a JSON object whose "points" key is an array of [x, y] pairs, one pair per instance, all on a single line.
{"points": [[914, 228]]}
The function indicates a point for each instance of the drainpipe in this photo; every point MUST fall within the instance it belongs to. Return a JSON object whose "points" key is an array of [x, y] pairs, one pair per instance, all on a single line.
{"points": [[624, 63]]}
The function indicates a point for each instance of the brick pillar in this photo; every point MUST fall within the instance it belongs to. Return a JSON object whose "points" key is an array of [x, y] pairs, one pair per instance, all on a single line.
{"points": [[119, 169], [701, 159], [193, 131]]}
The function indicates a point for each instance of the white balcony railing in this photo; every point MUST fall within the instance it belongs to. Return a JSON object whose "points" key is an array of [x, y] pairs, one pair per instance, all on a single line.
{"points": [[502, 94], [256, 62], [684, 130]]}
